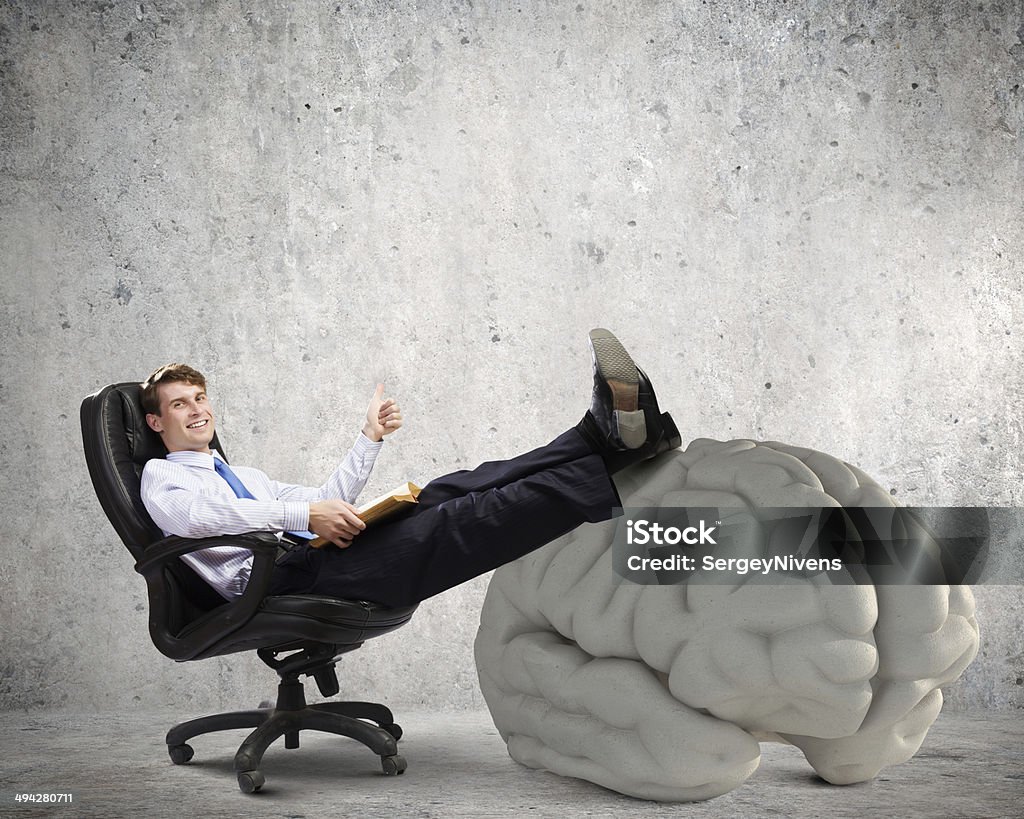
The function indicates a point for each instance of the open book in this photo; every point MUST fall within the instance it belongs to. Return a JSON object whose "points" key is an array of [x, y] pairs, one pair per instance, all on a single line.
{"points": [[390, 503]]}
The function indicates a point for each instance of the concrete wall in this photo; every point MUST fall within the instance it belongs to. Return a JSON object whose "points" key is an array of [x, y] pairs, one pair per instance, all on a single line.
{"points": [[804, 218]]}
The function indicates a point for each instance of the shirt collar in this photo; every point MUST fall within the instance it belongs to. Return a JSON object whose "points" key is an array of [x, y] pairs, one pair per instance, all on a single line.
{"points": [[203, 460]]}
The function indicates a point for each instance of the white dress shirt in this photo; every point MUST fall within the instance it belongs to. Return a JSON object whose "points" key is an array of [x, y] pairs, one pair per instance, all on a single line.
{"points": [[186, 497]]}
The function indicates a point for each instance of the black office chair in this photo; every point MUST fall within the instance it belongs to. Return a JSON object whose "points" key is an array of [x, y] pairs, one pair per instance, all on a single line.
{"points": [[188, 620]]}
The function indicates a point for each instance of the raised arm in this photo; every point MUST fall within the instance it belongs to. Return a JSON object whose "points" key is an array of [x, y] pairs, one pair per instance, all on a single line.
{"points": [[331, 511]]}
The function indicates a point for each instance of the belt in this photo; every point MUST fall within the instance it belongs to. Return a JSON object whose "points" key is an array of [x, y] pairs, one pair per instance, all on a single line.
{"points": [[286, 543], [292, 540]]}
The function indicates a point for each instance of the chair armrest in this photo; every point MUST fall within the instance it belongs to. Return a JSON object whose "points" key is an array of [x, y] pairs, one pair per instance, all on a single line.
{"points": [[223, 620], [158, 554]]}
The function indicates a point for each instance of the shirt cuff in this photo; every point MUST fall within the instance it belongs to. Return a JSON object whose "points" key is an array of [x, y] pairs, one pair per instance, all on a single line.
{"points": [[364, 445], [296, 516]]}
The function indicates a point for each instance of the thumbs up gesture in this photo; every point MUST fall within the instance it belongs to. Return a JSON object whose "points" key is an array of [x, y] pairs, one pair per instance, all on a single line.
{"points": [[383, 416]]}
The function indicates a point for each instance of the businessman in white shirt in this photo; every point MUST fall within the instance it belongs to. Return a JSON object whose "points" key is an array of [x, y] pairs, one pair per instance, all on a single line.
{"points": [[465, 524]]}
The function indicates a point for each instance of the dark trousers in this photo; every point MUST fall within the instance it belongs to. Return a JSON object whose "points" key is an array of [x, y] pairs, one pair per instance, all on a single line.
{"points": [[465, 524]]}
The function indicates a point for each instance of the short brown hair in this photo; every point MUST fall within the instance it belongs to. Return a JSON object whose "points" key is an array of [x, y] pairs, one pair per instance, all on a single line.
{"points": [[168, 374]]}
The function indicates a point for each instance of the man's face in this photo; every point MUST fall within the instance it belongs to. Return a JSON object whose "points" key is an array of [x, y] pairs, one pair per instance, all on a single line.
{"points": [[185, 422]]}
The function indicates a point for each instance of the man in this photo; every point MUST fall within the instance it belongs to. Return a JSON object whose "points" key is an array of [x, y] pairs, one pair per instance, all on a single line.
{"points": [[465, 523]]}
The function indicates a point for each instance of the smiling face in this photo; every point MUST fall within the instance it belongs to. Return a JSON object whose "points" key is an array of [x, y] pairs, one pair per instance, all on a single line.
{"points": [[185, 421]]}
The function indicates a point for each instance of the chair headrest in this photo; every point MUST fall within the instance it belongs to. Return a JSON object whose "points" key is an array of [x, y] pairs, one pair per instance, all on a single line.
{"points": [[118, 443]]}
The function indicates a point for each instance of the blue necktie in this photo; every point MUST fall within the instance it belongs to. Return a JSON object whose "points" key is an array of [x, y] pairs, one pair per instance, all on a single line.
{"points": [[240, 491]]}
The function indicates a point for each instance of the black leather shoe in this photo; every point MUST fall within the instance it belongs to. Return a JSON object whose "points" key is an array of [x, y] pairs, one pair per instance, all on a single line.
{"points": [[662, 433], [615, 405], [667, 437]]}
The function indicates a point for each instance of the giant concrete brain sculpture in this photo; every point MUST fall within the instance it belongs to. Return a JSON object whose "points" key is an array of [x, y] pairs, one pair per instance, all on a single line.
{"points": [[665, 692]]}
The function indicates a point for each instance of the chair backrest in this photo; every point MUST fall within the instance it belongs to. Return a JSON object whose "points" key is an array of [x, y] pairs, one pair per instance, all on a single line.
{"points": [[118, 442]]}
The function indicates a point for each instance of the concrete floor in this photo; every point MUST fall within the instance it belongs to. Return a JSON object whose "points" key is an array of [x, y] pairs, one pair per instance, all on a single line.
{"points": [[115, 764]]}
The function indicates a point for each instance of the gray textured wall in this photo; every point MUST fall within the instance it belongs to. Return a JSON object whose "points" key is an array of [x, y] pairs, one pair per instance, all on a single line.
{"points": [[804, 218]]}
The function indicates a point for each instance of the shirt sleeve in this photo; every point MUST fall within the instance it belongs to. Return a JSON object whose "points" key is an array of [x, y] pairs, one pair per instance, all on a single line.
{"points": [[179, 504], [346, 482]]}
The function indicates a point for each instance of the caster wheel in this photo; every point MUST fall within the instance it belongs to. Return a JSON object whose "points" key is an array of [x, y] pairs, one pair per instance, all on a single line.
{"points": [[394, 729], [250, 781], [180, 754], [393, 765]]}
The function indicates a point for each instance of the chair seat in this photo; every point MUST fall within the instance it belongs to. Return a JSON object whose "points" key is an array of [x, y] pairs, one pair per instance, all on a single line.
{"points": [[285, 620]]}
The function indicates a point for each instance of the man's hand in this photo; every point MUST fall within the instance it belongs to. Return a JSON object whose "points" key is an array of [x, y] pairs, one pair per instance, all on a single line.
{"points": [[382, 416], [336, 521]]}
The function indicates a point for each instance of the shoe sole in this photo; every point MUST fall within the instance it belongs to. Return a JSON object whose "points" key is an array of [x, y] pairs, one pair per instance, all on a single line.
{"points": [[619, 372]]}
